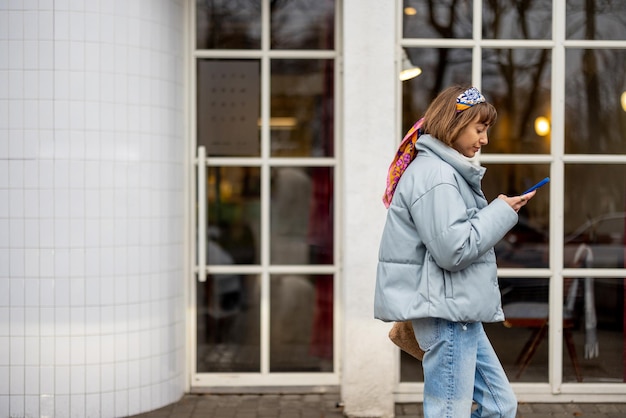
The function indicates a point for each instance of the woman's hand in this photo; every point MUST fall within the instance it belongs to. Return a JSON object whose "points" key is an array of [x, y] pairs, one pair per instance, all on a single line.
{"points": [[516, 202]]}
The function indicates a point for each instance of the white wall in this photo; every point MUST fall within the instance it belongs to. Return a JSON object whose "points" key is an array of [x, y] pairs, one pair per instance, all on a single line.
{"points": [[369, 141], [91, 207]]}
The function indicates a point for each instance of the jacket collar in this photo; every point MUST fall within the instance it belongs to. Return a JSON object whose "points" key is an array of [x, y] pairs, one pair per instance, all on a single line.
{"points": [[470, 171]]}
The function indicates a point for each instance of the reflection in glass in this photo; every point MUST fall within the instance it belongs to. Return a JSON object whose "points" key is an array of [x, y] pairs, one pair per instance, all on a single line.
{"points": [[508, 19], [228, 98], [300, 24], [596, 19], [437, 19], [228, 24], [302, 215], [440, 68], [301, 323], [228, 330], [596, 313], [526, 244], [517, 83], [233, 234], [595, 122], [594, 213], [303, 101]]}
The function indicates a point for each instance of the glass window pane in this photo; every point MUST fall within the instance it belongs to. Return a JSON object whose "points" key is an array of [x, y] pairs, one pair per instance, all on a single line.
{"points": [[517, 82], [302, 211], [440, 69], [302, 108], [301, 24], [593, 329], [526, 244], [228, 113], [595, 101], [594, 215], [228, 325], [512, 19], [596, 19], [437, 19], [233, 235], [522, 340], [228, 24], [301, 323]]}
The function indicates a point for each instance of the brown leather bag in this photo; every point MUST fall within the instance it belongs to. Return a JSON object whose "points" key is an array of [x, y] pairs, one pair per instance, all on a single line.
{"points": [[402, 335]]}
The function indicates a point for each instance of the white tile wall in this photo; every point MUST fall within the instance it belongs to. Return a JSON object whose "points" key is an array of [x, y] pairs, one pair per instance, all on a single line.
{"points": [[91, 253]]}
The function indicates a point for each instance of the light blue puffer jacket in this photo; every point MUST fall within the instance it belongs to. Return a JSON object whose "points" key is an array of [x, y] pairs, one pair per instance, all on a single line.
{"points": [[436, 256]]}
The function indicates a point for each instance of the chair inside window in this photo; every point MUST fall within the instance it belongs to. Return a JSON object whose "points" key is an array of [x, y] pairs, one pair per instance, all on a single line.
{"points": [[535, 316]]}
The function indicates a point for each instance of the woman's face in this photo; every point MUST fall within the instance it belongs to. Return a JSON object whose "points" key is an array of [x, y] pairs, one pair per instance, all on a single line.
{"points": [[471, 139]]}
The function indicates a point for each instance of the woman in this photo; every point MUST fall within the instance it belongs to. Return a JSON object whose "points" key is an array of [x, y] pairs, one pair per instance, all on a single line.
{"points": [[437, 265]]}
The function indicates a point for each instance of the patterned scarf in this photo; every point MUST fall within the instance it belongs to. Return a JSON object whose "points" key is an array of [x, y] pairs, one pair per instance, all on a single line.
{"points": [[405, 154]]}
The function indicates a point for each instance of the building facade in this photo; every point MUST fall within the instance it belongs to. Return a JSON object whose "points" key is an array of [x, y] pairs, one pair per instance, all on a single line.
{"points": [[190, 195]]}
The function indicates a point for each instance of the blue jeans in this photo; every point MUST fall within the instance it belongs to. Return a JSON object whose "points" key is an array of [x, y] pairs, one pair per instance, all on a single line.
{"points": [[460, 366]]}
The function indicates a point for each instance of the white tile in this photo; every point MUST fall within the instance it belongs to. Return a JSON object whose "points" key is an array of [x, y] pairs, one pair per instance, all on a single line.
{"points": [[92, 232], [61, 24], [16, 25], [77, 110], [61, 55], [17, 351], [4, 351], [46, 263], [17, 326], [30, 20], [107, 377], [121, 403], [77, 87], [77, 26], [16, 231], [77, 153], [4, 379], [61, 236], [77, 262], [106, 261], [46, 25], [16, 84], [77, 378], [16, 54], [31, 287], [92, 403], [62, 358], [17, 291], [16, 203], [92, 294], [62, 293], [61, 119], [31, 55], [16, 143], [92, 262], [46, 379], [31, 351], [77, 201], [77, 294], [4, 260], [31, 405], [16, 382], [46, 124], [77, 237], [46, 404], [31, 380], [77, 405], [31, 115], [16, 269], [16, 115], [16, 406], [4, 291], [107, 329], [16, 174], [31, 317], [107, 400], [47, 359], [46, 292], [46, 56], [62, 402], [31, 167]]}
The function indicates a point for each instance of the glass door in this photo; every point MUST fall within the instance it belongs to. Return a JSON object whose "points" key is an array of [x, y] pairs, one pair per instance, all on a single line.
{"points": [[264, 81]]}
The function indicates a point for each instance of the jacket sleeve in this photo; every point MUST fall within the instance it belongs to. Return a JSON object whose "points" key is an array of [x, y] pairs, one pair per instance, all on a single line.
{"points": [[455, 235]]}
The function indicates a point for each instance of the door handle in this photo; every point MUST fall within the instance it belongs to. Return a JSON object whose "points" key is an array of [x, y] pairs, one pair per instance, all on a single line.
{"points": [[202, 231]]}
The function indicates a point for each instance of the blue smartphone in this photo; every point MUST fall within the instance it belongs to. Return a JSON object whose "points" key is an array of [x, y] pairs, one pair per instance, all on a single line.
{"points": [[538, 185]]}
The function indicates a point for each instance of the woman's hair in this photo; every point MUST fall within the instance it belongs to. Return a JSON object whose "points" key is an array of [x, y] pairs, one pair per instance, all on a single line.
{"points": [[444, 122]]}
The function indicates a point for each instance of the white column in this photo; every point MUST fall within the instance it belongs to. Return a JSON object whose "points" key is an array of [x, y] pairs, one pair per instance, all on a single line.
{"points": [[369, 359]]}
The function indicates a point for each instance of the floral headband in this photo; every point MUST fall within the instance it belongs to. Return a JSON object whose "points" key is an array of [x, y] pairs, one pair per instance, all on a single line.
{"points": [[469, 98]]}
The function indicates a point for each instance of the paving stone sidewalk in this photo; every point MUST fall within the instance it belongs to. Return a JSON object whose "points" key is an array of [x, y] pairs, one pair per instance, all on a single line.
{"points": [[328, 406]]}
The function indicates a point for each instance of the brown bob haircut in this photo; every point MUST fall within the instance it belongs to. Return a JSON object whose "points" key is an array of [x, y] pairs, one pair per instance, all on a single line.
{"points": [[442, 121]]}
